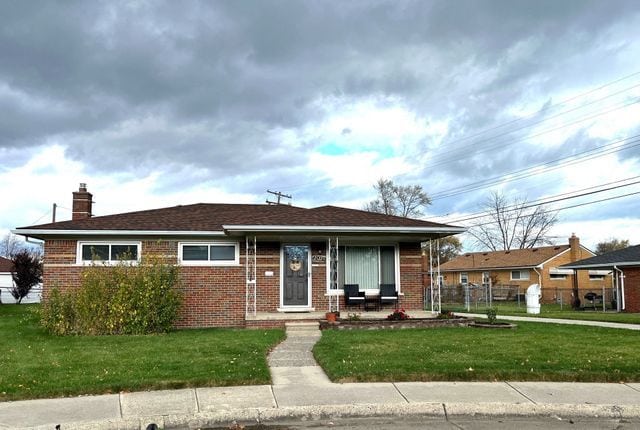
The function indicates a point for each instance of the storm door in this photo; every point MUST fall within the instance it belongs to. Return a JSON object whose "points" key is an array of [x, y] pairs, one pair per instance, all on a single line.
{"points": [[295, 275]]}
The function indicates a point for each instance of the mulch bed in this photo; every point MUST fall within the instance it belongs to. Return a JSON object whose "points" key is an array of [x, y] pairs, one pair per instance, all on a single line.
{"points": [[343, 324]]}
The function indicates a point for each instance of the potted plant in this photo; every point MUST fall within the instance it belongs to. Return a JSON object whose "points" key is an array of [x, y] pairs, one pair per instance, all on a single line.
{"points": [[332, 316]]}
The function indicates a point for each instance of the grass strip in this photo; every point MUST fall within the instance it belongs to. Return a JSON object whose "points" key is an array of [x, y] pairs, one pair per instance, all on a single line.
{"points": [[36, 365]]}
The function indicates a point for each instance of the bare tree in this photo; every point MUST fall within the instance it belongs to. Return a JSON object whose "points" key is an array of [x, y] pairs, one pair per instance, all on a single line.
{"points": [[402, 200], [512, 224], [10, 245], [611, 244]]}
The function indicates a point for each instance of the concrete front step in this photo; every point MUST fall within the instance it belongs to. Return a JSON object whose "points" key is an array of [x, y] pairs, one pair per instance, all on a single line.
{"points": [[302, 326]]}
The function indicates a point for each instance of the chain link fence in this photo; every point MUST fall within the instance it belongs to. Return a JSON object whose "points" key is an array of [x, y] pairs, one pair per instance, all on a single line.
{"points": [[472, 298]]}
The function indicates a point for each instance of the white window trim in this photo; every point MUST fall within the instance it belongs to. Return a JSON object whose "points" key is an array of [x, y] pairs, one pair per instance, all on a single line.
{"points": [[372, 292], [466, 276], [596, 277], [210, 263], [557, 276], [521, 278], [80, 244]]}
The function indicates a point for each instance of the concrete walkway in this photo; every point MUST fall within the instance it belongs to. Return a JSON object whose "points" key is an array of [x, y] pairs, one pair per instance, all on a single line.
{"points": [[301, 391], [557, 321], [292, 362]]}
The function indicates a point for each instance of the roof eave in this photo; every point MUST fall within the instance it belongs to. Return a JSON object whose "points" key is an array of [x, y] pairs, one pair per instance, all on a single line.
{"points": [[445, 230], [39, 233], [595, 266]]}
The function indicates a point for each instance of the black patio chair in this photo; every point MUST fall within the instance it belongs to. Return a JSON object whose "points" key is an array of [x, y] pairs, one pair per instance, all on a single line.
{"points": [[388, 294], [352, 295]]}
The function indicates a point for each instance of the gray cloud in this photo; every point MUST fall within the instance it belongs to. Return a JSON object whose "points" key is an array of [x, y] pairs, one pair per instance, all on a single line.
{"points": [[221, 78]]}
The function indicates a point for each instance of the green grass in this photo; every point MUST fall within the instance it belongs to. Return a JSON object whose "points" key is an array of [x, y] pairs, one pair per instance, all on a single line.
{"points": [[532, 352], [553, 311], [35, 364]]}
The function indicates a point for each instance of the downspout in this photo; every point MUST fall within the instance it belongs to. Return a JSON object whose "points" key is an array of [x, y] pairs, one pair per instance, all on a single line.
{"points": [[621, 286], [539, 276]]}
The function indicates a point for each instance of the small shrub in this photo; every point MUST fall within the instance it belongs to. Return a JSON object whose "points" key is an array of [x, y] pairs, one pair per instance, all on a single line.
{"points": [[354, 317], [120, 299], [492, 315], [398, 315], [445, 315], [26, 273]]}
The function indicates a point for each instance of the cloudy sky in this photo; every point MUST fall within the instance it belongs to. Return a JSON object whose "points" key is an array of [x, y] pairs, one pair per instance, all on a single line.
{"points": [[154, 104]]}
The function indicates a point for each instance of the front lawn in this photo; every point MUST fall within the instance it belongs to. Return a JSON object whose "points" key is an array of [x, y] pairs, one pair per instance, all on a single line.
{"points": [[35, 364], [532, 352]]}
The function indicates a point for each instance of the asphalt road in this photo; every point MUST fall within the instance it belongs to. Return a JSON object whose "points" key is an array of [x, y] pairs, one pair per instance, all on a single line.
{"points": [[462, 423]]}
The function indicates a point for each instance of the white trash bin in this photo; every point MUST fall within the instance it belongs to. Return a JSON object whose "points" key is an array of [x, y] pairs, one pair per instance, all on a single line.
{"points": [[533, 299]]}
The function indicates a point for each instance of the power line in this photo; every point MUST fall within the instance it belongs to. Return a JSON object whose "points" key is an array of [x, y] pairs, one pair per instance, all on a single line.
{"points": [[447, 160], [547, 166], [508, 143], [545, 211], [551, 199], [279, 195], [556, 105], [542, 120]]}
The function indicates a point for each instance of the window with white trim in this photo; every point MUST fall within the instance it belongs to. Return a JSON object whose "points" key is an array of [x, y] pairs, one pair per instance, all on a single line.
{"points": [[464, 278], [593, 277], [209, 253], [108, 252], [519, 275]]}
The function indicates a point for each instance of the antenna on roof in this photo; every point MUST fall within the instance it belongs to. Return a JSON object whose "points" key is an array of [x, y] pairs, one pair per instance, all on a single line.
{"points": [[279, 196]]}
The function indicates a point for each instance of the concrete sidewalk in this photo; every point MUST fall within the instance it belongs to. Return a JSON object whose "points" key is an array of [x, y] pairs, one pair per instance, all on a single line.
{"points": [[557, 321], [301, 391], [209, 407]]}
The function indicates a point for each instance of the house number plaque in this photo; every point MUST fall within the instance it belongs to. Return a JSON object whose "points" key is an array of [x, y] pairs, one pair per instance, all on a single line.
{"points": [[318, 258]]}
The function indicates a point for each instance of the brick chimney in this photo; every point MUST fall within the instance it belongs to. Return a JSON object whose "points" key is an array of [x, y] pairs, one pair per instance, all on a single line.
{"points": [[574, 244], [82, 203]]}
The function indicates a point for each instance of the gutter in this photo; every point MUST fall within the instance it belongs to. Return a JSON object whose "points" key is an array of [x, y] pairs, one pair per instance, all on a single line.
{"points": [[602, 265], [37, 232], [339, 229], [239, 228]]}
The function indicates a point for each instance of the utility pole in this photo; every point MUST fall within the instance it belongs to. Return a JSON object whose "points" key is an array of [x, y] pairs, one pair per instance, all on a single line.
{"points": [[279, 195]]}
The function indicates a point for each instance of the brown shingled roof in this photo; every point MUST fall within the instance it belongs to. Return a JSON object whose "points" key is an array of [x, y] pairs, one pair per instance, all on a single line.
{"points": [[503, 259], [211, 217], [6, 265]]}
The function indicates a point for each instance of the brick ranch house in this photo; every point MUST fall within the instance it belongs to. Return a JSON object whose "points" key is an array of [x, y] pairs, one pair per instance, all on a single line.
{"points": [[523, 267], [624, 264], [248, 264]]}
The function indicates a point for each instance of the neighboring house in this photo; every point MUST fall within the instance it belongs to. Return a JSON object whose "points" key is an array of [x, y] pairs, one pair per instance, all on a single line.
{"points": [[246, 264], [6, 282], [6, 285], [523, 267], [625, 266]]}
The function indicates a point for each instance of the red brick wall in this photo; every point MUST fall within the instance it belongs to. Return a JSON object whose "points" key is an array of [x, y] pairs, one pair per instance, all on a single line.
{"points": [[632, 289], [215, 296]]}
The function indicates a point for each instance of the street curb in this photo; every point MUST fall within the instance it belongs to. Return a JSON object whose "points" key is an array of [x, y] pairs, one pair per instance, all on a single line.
{"points": [[331, 412]]}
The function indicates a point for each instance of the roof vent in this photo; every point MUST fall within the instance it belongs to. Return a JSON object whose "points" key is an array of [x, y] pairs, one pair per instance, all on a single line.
{"points": [[556, 247], [484, 253], [507, 252], [534, 250]]}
